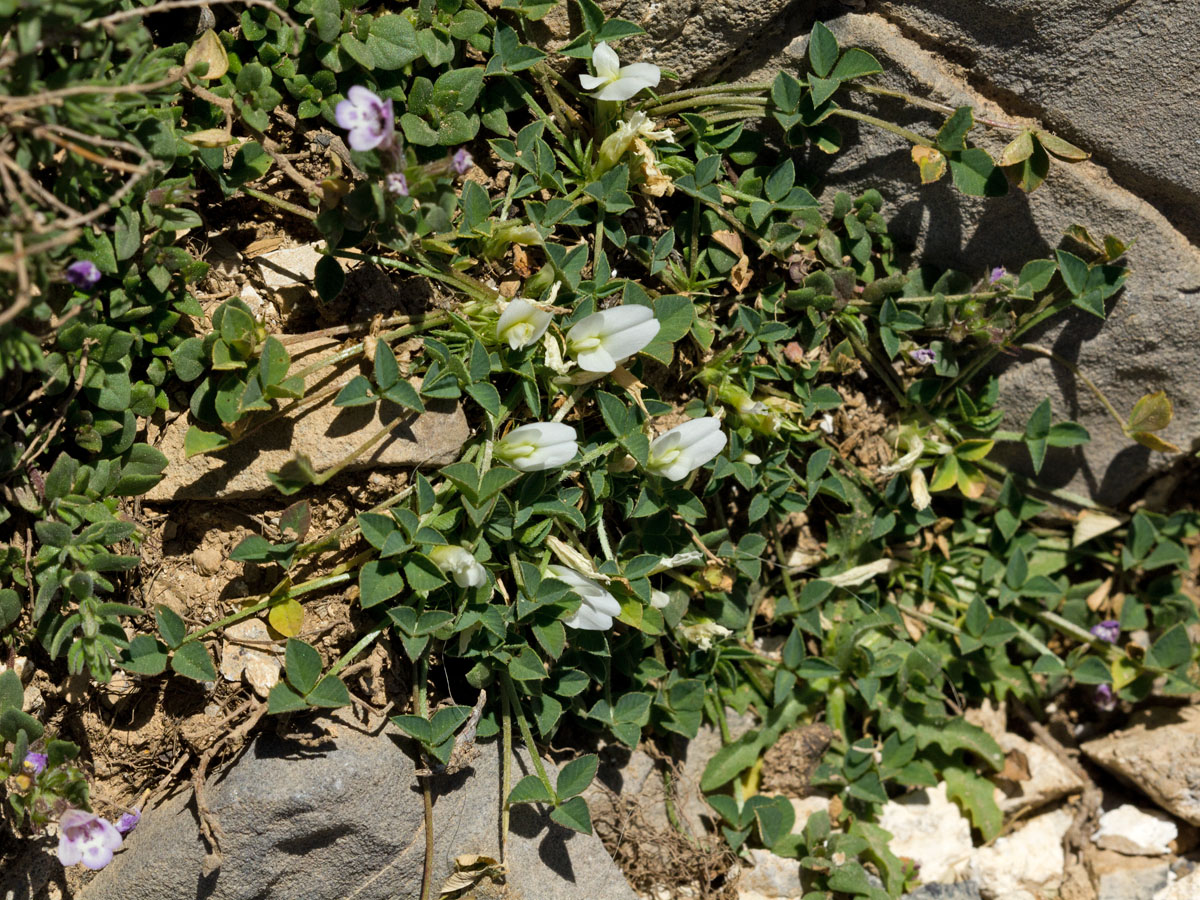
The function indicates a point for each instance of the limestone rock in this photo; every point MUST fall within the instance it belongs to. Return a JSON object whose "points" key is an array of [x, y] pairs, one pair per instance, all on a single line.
{"points": [[248, 651], [1120, 877], [1146, 343], [290, 266], [1135, 832], [928, 828], [1025, 865], [324, 433], [770, 876], [1159, 753], [958, 890], [341, 816], [1048, 778], [1186, 888]]}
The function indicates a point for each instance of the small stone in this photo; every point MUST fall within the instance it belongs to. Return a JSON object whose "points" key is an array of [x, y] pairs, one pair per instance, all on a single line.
{"points": [[118, 689], [208, 560], [1186, 888], [959, 890], [1121, 877], [33, 702], [1025, 865], [249, 652], [169, 530], [1047, 777], [771, 875], [290, 266], [1136, 832], [928, 828]]}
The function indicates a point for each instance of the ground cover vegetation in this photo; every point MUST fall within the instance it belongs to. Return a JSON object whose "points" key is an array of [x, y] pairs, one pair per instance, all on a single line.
{"points": [[666, 510]]}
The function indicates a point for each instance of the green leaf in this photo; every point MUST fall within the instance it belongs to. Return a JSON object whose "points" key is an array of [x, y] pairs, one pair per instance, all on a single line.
{"points": [[952, 135], [12, 694], [576, 775], [197, 441], [1171, 650], [976, 795], [192, 661], [976, 175], [330, 693], [13, 721], [283, 699], [1074, 271], [1152, 412], [170, 626], [822, 88], [529, 790], [392, 42], [959, 734], [10, 607], [328, 278], [145, 656], [416, 727], [422, 573], [379, 580], [822, 49], [357, 392], [780, 181], [303, 665], [574, 814], [855, 63]]}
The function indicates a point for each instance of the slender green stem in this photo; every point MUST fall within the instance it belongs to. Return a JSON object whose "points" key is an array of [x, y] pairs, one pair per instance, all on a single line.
{"points": [[1078, 373], [925, 104], [705, 102], [748, 88], [281, 204], [505, 773], [526, 734], [417, 324], [362, 448], [910, 136], [362, 644], [420, 707]]}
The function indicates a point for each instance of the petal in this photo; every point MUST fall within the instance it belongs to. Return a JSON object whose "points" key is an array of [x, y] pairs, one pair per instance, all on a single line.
{"points": [[605, 603], [550, 457], [546, 433], [621, 89], [96, 856], [587, 619], [596, 360], [591, 82], [69, 852], [647, 73], [705, 450], [692, 431], [364, 138], [347, 115], [605, 61], [623, 344], [362, 97]]}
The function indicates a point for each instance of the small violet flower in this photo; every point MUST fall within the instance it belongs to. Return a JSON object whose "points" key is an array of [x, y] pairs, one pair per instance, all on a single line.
{"points": [[923, 356], [460, 564], [599, 607], [462, 161], [35, 762], [617, 82], [603, 340], [83, 273], [1108, 631], [367, 117], [677, 453], [1104, 698], [997, 273], [128, 821], [85, 837], [396, 184], [522, 323], [537, 447]]}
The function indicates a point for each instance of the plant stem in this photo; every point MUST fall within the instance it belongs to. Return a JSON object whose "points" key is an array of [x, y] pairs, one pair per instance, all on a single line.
{"points": [[702, 102], [526, 735], [926, 104], [1078, 373], [663, 99], [505, 773], [365, 641], [910, 136], [281, 204], [420, 676]]}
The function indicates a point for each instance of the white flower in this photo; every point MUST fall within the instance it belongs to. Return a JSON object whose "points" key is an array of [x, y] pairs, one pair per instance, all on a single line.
{"points": [[85, 837], [641, 125], [599, 606], [685, 448], [659, 599], [826, 423], [752, 459], [617, 82], [522, 323], [460, 564], [920, 490], [536, 447], [702, 633], [601, 341]]}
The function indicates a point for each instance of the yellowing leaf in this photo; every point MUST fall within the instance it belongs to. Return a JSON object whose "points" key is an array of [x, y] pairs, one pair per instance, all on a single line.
{"points": [[1064, 150], [945, 475], [1092, 525], [1018, 151], [208, 49], [287, 617], [931, 163], [1124, 671], [1154, 442], [210, 137], [1152, 413]]}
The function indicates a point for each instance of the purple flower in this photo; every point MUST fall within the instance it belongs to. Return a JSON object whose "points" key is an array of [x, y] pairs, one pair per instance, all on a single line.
{"points": [[36, 762], [1104, 699], [128, 821], [462, 161], [83, 274], [1108, 630], [396, 184], [368, 118], [997, 273], [85, 837], [923, 356]]}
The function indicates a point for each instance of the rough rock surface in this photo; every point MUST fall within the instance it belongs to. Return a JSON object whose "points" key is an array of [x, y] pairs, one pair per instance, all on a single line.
{"points": [[1147, 342], [1120, 877], [959, 890], [928, 828], [770, 876], [1186, 888], [1025, 865], [1159, 753], [1136, 832], [324, 433], [1049, 779], [342, 816]]}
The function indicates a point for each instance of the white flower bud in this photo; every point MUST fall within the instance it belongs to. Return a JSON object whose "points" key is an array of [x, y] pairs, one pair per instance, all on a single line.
{"points": [[536, 447], [459, 564], [601, 341], [685, 448], [522, 324], [599, 607], [659, 599], [920, 490]]}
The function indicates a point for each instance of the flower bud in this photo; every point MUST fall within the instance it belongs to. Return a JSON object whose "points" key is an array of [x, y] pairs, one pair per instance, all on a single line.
{"points": [[460, 564], [537, 447], [599, 607], [677, 453]]}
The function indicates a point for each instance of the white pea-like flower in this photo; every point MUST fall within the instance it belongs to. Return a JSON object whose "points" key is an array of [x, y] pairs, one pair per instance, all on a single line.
{"points": [[522, 324], [677, 453], [599, 607], [659, 599], [603, 340], [703, 633], [615, 81], [460, 564], [537, 447]]}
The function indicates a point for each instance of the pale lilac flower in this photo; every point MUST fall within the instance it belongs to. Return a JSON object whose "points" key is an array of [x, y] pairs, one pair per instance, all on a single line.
{"points": [[462, 161], [83, 273], [1104, 698], [128, 821], [460, 563], [522, 323], [36, 762], [367, 117], [85, 837], [615, 81], [537, 447], [599, 607], [1108, 631], [677, 453], [396, 184], [923, 356], [997, 273], [601, 341]]}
